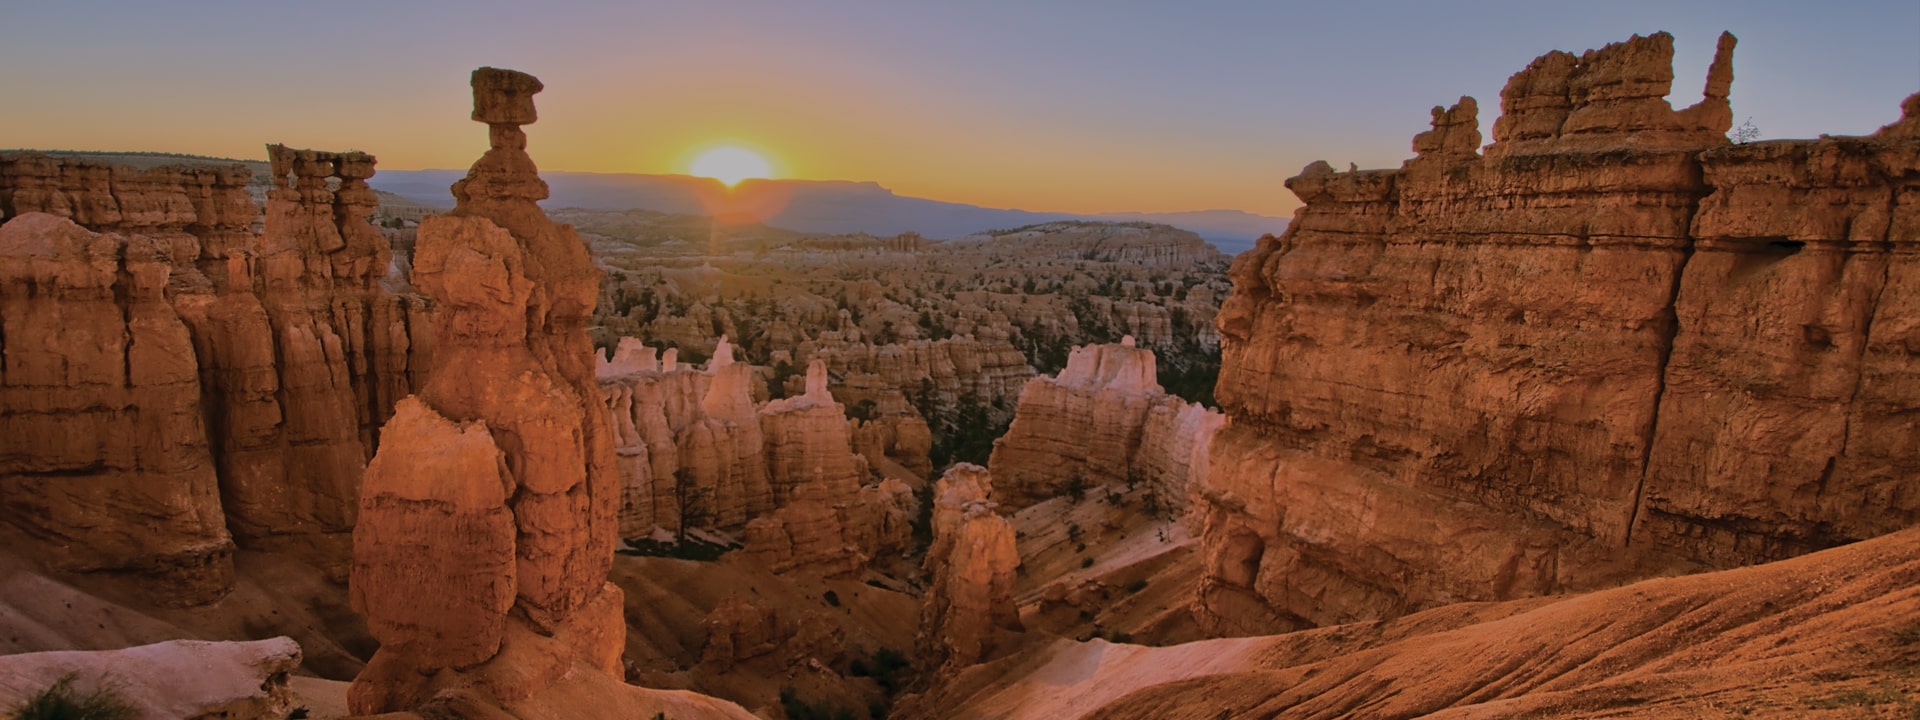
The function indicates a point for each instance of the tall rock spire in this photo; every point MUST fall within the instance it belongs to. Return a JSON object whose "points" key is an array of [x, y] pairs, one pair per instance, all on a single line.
{"points": [[503, 456]]}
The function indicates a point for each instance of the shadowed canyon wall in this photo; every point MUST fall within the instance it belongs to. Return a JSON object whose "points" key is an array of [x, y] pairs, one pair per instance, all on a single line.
{"points": [[1612, 344]]}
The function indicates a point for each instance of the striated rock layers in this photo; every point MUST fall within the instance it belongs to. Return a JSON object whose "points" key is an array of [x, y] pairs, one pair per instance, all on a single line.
{"points": [[279, 353], [1611, 344], [1131, 243], [826, 518], [693, 452], [972, 566], [1104, 420], [487, 518], [938, 374], [103, 455]]}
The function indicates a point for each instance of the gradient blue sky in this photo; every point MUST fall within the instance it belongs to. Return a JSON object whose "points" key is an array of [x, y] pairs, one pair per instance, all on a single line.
{"points": [[1072, 106]]}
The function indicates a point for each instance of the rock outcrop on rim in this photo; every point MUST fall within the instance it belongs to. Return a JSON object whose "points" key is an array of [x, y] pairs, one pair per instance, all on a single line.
{"points": [[1609, 345]]}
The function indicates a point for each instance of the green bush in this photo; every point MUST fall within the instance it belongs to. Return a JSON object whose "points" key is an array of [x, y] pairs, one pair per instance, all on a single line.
{"points": [[60, 701]]}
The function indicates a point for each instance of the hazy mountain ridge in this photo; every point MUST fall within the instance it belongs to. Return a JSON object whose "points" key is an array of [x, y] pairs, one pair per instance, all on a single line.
{"points": [[825, 206]]}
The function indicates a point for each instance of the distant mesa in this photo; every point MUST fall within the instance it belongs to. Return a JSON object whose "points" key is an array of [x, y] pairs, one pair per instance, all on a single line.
{"points": [[827, 206]]}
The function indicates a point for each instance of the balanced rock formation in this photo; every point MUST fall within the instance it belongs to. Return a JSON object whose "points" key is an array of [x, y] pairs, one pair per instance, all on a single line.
{"points": [[969, 609], [1610, 345], [1104, 420], [487, 518]]}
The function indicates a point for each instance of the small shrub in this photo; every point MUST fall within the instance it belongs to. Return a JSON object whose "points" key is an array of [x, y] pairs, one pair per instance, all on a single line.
{"points": [[1858, 697], [1909, 635], [686, 549], [832, 598], [1077, 488], [1137, 585], [797, 709], [887, 665], [1086, 562], [60, 701]]}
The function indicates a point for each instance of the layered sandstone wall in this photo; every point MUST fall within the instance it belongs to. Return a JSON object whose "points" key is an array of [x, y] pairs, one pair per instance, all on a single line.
{"points": [[690, 441], [827, 515], [695, 452], [1609, 344], [1104, 420], [940, 374], [1138, 244], [298, 351], [104, 459]]}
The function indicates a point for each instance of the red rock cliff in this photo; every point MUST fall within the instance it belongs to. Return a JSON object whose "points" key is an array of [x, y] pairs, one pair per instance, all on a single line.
{"points": [[1609, 345]]}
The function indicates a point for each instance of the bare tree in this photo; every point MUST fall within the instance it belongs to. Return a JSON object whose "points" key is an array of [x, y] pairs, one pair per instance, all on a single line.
{"points": [[1746, 133]]}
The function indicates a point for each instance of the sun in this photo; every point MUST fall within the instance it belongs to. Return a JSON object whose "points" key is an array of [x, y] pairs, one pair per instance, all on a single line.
{"points": [[730, 164]]}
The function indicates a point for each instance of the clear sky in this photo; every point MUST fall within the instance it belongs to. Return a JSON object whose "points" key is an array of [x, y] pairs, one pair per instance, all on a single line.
{"points": [[1067, 106]]}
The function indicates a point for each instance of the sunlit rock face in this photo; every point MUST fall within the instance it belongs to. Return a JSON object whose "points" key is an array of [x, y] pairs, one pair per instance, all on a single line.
{"points": [[1610, 344], [1104, 420], [785, 473], [972, 564], [487, 518], [828, 517], [298, 354], [688, 440]]}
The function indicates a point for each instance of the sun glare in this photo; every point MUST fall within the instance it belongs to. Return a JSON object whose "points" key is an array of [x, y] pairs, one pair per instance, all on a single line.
{"points": [[730, 165]]}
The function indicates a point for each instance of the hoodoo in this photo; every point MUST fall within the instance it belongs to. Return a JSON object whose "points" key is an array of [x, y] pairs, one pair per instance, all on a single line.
{"points": [[487, 517]]}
